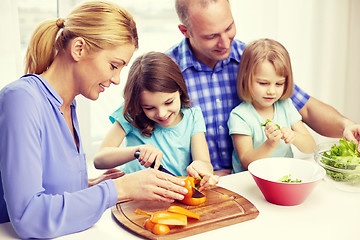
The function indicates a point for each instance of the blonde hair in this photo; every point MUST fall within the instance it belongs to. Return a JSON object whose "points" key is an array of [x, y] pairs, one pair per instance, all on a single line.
{"points": [[101, 24], [257, 52]]}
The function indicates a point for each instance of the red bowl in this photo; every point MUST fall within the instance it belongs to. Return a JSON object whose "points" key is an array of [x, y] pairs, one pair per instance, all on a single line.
{"points": [[266, 173]]}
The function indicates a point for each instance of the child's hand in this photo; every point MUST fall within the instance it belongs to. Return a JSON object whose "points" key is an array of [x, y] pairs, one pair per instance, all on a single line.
{"points": [[208, 181], [273, 134], [288, 135], [149, 154], [199, 168]]}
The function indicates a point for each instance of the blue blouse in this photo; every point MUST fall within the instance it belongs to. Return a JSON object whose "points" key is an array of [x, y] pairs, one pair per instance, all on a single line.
{"points": [[44, 189]]}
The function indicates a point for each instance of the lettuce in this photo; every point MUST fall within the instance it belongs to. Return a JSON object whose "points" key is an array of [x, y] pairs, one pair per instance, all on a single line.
{"points": [[287, 179], [346, 157], [267, 121]]}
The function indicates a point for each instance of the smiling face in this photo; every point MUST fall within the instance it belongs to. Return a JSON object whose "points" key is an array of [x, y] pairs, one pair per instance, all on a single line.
{"points": [[212, 31], [161, 107], [98, 70], [267, 86]]}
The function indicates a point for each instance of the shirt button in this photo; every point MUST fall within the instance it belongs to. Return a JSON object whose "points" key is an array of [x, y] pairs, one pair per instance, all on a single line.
{"points": [[223, 153], [218, 100], [221, 127]]}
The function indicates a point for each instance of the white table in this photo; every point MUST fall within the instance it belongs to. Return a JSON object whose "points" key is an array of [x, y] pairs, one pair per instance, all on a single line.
{"points": [[327, 213]]}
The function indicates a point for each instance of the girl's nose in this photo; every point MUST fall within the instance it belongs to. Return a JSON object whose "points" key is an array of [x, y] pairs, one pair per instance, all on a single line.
{"points": [[271, 90], [161, 113]]}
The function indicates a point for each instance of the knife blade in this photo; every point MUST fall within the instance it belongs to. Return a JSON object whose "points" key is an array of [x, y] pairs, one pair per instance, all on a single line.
{"points": [[196, 194]]}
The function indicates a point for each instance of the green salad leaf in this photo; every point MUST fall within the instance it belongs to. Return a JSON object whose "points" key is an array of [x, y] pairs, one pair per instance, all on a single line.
{"points": [[287, 179], [267, 121], [347, 157]]}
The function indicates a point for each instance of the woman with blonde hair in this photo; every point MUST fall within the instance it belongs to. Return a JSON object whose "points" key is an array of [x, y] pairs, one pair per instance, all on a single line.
{"points": [[45, 191]]}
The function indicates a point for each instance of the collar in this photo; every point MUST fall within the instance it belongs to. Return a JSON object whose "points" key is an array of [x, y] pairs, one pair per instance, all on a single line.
{"points": [[49, 91], [188, 60]]}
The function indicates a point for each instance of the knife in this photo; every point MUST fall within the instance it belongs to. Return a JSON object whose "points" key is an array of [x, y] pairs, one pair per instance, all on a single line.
{"points": [[196, 194]]}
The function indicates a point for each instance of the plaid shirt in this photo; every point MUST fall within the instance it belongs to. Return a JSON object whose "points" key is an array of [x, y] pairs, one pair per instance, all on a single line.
{"points": [[214, 91]]}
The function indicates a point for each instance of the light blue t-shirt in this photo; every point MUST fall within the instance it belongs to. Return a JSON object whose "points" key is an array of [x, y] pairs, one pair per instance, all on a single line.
{"points": [[174, 142], [245, 120]]}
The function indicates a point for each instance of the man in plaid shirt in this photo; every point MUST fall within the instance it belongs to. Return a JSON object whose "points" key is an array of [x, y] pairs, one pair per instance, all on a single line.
{"points": [[209, 58]]}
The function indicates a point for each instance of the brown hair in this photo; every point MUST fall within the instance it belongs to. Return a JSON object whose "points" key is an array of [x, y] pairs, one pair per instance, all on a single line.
{"points": [[101, 24], [154, 72], [257, 52]]}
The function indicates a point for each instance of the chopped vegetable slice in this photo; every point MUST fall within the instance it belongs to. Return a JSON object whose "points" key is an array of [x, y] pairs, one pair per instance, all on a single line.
{"points": [[287, 179], [149, 224], [267, 121], [139, 212], [156, 228], [159, 229], [186, 212], [168, 218]]}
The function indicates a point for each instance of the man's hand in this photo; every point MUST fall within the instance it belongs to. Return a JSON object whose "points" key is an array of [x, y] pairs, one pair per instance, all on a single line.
{"points": [[352, 133]]}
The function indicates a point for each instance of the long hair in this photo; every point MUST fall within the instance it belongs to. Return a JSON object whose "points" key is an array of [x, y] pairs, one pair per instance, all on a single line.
{"points": [[257, 52], [154, 72], [101, 24]]}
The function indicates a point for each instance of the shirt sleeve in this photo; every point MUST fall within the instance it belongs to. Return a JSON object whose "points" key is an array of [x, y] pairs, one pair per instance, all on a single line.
{"points": [[292, 113], [34, 212], [299, 97], [199, 122], [118, 116], [237, 123]]}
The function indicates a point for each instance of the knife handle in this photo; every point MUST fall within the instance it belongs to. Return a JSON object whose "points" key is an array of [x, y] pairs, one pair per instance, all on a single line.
{"points": [[137, 155], [160, 167]]}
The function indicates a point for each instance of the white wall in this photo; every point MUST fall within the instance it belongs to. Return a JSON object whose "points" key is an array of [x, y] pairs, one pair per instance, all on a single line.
{"points": [[322, 37], [10, 58]]}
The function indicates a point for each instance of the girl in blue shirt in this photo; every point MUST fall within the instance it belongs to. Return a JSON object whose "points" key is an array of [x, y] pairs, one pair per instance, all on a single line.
{"points": [[265, 83], [44, 189], [156, 120]]}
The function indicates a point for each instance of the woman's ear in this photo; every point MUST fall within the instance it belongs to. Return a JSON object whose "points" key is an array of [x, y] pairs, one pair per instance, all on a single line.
{"points": [[77, 48]]}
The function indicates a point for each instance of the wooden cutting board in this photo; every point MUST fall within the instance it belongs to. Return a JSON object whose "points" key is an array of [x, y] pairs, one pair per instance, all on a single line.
{"points": [[222, 208]]}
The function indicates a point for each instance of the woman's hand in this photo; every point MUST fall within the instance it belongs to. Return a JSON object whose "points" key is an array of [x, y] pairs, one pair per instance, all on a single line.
{"points": [[109, 174], [149, 154], [150, 184]]}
